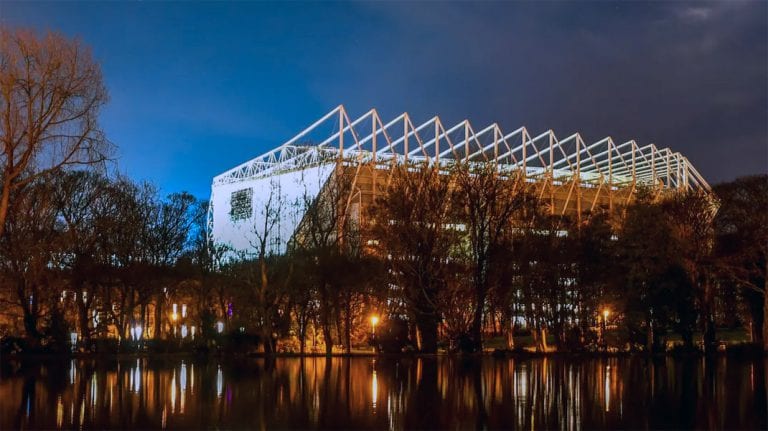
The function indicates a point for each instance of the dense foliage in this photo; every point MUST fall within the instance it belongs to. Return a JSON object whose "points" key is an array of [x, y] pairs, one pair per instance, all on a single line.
{"points": [[445, 258]]}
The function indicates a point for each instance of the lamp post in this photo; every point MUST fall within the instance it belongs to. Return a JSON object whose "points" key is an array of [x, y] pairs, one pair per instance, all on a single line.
{"points": [[603, 323], [374, 322]]}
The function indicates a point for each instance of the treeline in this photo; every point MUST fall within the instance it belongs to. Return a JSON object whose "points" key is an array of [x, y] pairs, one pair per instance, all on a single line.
{"points": [[452, 255], [445, 258], [81, 252], [470, 247]]}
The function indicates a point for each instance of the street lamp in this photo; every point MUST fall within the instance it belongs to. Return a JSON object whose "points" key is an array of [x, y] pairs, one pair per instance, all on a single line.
{"points": [[374, 322], [603, 323]]}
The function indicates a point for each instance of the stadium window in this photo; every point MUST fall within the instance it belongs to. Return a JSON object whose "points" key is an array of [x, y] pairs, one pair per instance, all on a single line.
{"points": [[241, 204]]}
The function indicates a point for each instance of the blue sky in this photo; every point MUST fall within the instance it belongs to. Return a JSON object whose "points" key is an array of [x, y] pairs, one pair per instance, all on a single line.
{"points": [[197, 88]]}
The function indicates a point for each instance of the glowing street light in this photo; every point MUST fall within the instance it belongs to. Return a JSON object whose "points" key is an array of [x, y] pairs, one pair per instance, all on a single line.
{"points": [[606, 313], [374, 322], [175, 316], [219, 326]]}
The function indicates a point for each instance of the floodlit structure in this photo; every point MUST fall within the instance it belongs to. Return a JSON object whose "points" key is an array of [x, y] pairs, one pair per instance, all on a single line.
{"points": [[574, 177]]}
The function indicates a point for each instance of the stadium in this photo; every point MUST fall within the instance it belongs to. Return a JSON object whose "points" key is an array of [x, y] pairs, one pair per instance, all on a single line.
{"points": [[574, 177]]}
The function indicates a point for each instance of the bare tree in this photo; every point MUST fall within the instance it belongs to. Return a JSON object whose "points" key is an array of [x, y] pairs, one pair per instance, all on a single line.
{"points": [[692, 215], [326, 239], [646, 250], [488, 204], [266, 240], [27, 253], [742, 231], [411, 226], [51, 91], [124, 235], [207, 259], [80, 200]]}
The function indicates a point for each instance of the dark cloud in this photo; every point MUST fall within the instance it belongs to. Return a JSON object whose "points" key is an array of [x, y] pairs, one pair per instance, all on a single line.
{"points": [[691, 76], [201, 87]]}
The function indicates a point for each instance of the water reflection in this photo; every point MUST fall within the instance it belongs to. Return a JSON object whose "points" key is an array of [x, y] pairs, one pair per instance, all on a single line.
{"points": [[385, 393]]}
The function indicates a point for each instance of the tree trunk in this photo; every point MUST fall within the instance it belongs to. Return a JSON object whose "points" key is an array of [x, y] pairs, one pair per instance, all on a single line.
{"points": [[266, 333], [709, 335], [325, 319], [82, 314], [477, 320], [348, 327], [710, 339], [649, 337], [765, 313], [302, 331], [328, 339], [509, 327], [687, 336], [558, 332], [413, 332], [756, 314], [339, 326], [510, 334], [158, 332], [427, 326], [30, 326], [5, 199], [543, 340]]}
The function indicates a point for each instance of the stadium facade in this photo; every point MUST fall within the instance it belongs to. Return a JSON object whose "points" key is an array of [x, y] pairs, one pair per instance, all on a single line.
{"points": [[573, 176]]}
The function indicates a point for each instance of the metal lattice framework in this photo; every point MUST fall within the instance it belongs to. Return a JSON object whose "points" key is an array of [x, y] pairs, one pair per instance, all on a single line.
{"points": [[369, 139], [570, 176]]}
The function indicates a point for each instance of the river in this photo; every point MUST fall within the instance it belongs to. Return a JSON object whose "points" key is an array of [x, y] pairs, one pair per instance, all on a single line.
{"points": [[384, 393]]}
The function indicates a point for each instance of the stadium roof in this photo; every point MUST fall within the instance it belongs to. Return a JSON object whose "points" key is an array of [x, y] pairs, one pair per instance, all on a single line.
{"points": [[370, 139]]}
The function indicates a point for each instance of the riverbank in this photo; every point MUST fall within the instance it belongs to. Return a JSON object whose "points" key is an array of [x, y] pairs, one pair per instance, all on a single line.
{"points": [[730, 342], [740, 350]]}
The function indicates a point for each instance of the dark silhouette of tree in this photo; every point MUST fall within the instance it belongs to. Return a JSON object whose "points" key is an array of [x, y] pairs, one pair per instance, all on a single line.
{"points": [[691, 215], [742, 244], [329, 240], [81, 203], [28, 248], [412, 229], [487, 203]]}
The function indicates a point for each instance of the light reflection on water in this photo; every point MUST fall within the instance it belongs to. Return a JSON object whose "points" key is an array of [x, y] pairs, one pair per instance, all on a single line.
{"points": [[385, 393]]}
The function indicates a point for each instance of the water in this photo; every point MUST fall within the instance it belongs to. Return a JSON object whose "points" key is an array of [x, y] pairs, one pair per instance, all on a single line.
{"points": [[367, 393]]}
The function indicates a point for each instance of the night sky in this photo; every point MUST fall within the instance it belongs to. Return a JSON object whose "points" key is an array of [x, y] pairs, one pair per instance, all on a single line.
{"points": [[197, 88]]}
